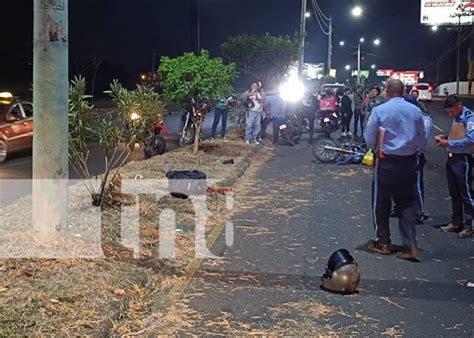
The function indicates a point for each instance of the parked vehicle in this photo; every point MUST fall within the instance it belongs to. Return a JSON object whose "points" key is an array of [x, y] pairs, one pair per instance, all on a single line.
{"points": [[328, 115], [290, 131], [196, 113], [16, 125], [156, 143], [425, 91]]}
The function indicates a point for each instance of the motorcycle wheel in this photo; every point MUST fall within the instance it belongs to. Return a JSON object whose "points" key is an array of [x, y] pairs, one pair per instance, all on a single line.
{"points": [[156, 146], [188, 137], [322, 154]]}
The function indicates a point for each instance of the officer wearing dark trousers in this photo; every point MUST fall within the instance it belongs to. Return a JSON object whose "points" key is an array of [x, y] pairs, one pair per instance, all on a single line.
{"points": [[396, 130], [460, 144]]}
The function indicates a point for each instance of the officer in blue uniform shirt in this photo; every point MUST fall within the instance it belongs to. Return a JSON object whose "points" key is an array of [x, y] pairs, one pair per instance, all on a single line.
{"points": [[460, 144], [428, 122], [396, 130]]}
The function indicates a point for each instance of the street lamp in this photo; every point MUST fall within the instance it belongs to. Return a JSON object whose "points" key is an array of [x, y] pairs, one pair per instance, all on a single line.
{"points": [[348, 67], [377, 42], [357, 11], [362, 40], [307, 15], [342, 43], [373, 66]]}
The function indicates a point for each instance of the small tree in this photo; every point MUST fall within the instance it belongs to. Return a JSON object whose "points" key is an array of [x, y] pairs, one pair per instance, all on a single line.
{"points": [[265, 57], [328, 79], [196, 77], [115, 134]]}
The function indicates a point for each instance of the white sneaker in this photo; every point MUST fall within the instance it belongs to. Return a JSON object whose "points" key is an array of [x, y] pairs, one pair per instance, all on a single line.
{"points": [[247, 142], [256, 142], [225, 140], [344, 134], [213, 140], [349, 133]]}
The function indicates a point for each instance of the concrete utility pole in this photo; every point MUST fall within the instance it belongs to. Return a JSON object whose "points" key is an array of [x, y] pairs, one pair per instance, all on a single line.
{"points": [[458, 61], [358, 63], [302, 38], [330, 45], [50, 97]]}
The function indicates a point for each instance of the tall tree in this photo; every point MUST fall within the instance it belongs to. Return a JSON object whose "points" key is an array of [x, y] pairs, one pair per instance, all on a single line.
{"points": [[50, 97], [265, 57]]}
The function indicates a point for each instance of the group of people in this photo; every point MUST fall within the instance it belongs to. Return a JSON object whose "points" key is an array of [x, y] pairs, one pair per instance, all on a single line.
{"points": [[398, 131]]}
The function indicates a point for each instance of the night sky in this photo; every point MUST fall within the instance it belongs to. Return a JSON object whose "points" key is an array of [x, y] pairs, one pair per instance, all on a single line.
{"points": [[126, 34]]}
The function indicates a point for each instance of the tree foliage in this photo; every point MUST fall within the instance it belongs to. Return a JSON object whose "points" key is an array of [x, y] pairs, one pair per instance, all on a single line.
{"points": [[116, 134], [196, 77], [265, 57]]}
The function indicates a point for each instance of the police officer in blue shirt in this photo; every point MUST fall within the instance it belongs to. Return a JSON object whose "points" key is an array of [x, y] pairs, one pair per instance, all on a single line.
{"points": [[396, 130], [428, 122], [460, 144]]}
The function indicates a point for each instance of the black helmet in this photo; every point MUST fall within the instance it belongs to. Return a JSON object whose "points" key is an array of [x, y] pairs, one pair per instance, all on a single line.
{"points": [[342, 273]]}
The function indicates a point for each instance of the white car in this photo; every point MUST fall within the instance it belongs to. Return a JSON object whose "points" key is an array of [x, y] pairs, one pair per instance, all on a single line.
{"points": [[425, 90]]}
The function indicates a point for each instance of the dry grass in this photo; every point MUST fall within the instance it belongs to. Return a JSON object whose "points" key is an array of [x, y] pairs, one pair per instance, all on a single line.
{"points": [[113, 294]]}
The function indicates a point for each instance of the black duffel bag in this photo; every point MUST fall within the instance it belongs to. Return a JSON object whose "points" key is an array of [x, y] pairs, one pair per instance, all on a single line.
{"points": [[183, 184]]}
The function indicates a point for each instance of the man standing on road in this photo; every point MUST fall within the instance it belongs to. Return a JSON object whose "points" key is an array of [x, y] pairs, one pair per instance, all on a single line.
{"points": [[358, 103], [460, 144], [276, 110], [346, 110], [428, 122], [396, 130]]}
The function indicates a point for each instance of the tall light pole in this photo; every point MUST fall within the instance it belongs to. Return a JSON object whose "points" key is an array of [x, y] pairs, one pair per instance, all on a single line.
{"points": [[330, 45], [50, 133], [302, 38], [458, 60], [361, 40]]}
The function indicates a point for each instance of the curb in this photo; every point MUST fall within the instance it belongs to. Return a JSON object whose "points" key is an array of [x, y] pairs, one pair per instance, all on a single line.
{"points": [[178, 289]]}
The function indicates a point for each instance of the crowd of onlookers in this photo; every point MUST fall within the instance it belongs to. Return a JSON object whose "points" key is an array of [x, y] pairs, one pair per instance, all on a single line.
{"points": [[262, 110]]}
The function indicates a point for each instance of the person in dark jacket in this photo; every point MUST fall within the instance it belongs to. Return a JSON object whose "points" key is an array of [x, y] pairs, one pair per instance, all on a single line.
{"points": [[346, 110]]}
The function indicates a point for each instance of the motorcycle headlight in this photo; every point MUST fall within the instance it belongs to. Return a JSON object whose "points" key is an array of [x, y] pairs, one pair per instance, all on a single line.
{"points": [[292, 91], [134, 116]]}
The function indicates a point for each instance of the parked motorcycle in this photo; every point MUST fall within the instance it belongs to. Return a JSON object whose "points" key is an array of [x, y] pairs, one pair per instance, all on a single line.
{"points": [[156, 143], [328, 115], [290, 130], [195, 114]]}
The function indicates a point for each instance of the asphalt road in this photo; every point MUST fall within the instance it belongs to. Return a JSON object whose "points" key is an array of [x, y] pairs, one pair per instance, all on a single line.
{"points": [[296, 215], [19, 165]]}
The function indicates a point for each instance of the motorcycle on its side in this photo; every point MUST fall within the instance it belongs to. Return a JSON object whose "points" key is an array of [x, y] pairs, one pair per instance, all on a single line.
{"points": [[290, 131]]}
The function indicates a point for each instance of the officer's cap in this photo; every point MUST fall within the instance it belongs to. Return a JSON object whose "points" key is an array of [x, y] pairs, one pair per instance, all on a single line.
{"points": [[451, 101]]}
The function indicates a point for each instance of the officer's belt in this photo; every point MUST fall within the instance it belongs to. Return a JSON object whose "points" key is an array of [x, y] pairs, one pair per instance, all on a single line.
{"points": [[458, 156]]}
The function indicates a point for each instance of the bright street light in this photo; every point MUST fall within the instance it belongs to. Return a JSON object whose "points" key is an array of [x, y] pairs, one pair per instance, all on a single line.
{"points": [[373, 66], [307, 14], [348, 67], [377, 42], [342, 43], [357, 11], [434, 28], [362, 40]]}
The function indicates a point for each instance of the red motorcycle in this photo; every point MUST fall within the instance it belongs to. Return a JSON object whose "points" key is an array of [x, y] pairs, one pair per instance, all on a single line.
{"points": [[156, 143], [328, 115]]}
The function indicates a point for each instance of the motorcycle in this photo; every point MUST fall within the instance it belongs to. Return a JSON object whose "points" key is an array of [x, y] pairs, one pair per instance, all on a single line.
{"points": [[290, 130], [155, 144], [328, 115], [195, 114]]}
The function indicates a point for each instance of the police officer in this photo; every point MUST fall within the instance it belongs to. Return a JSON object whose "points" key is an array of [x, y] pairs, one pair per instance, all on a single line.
{"points": [[396, 130], [460, 144], [428, 122]]}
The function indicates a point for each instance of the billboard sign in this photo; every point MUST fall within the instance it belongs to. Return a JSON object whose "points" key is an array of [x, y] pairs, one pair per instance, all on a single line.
{"points": [[446, 12]]}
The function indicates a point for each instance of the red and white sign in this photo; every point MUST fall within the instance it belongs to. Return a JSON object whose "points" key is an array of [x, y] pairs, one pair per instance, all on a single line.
{"points": [[444, 12], [385, 72], [407, 77]]}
